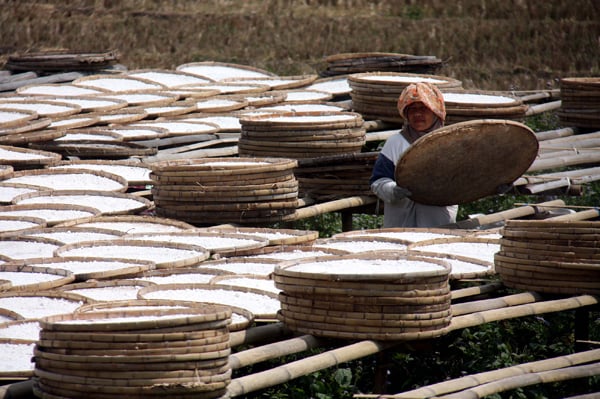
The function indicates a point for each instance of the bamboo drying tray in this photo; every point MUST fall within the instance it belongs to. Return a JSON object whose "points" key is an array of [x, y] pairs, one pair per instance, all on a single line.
{"points": [[42, 107], [61, 61], [580, 102], [12, 117], [167, 77], [277, 83], [274, 236], [17, 247], [500, 151], [406, 234], [221, 70], [479, 248], [263, 304], [36, 305], [136, 173], [107, 202], [56, 89], [120, 116], [240, 265], [351, 63], [550, 257], [362, 244], [60, 277], [52, 213], [337, 86], [93, 134], [165, 255], [303, 96], [229, 88], [64, 180], [106, 290], [25, 329], [91, 267], [142, 98], [220, 104], [74, 122], [177, 127], [30, 133], [137, 133], [90, 103], [119, 83], [224, 243], [259, 99], [132, 223], [173, 109], [328, 284], [20, 224]]}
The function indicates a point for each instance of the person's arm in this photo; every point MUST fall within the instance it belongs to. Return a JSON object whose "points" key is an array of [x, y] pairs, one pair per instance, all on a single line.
{"points": [[383, 185]]}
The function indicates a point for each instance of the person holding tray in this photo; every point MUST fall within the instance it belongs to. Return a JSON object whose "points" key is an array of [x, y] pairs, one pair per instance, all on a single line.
{"points": [[421, 105]]}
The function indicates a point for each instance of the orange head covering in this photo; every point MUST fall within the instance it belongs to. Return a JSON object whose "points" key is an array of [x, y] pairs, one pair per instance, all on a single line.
{"points": [[425, 93]]}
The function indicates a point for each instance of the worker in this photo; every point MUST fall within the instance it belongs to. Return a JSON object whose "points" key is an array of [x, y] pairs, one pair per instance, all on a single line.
{"points": [[421, 106]]}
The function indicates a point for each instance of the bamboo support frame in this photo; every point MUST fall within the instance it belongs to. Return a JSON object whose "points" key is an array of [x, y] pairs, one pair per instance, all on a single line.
{"points": [[471, 381], [553, 134], [541, 108], [477, 290], [460, 309], [332, 206]]}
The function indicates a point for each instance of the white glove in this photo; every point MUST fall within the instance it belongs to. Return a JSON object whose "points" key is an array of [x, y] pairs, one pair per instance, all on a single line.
{"points": [[389, 191]]}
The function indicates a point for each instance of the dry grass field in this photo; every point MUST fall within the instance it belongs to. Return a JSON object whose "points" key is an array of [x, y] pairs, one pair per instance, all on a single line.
{"points": [[494, 45]]}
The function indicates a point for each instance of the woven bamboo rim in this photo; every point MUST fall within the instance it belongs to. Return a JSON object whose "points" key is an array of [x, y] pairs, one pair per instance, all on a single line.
{"points": [[53, 294], [487, 267], [259, 99], [306, 135], [193, 254], [234, 206], [100, 320], [551, 264], [167, 198], [222, 166], [32, 223], [490, 112], [15, 137], [406, 336], [274, 236], [550, 224], [204, 239], [208, 287], [86, 103], [5, 285], [124, 375], [93, 134], [75, 172], [549, 234], [541, 273], [130, 338], [365, 78], [45, 156], [60, 212], [542, 286], [63, 277], [260, 180], [6, 170], [531, 254], [131, 219], [94, 81], [100, 285], [124, 115], [346, 322], [176, 108], [41, 392], [144, 133], [241, 179], [166, 76], [229, 87], [389, 316], [70, 389], [513, 100], [341, 57], [143, 98], [218, 264], [317, 145], [309, 153], [584, 244], [142, 203], [112, 166], [64, 109], [380, 301], [21, 117], [97, 148], [205, 219], [220, 104], [57, 89], [239, 68], [11, 315], [131, 382], [304, 121], [565, 229], [309, 250], [552, 248], [278, 82], [74, 122], [129, 267], [192, 93]]}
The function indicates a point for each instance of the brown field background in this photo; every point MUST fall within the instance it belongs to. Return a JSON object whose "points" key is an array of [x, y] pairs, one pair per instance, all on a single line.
{"points": [[491, 45]]}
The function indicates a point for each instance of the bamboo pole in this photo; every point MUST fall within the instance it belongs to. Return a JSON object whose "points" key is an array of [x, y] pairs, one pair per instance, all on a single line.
{"points": [[577, 176], [265, 333], [573, 138], [273, 351], [332, 206], [576, 159], [380, 135], [542, 377], [470, 381], [477, 290], [279, 375], [553, 134], [504, 215], [488, 316], [541, 108], [581, 215], [460, 309]]}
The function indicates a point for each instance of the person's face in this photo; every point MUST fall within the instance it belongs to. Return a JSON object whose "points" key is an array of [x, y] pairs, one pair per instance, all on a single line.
{"points": [[419, 116]]}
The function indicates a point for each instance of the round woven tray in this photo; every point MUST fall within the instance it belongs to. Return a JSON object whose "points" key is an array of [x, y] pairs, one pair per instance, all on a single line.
{"points": [[170, 110], [404, 234], [57, 89], [108, 202], [90, 267], [164, 254], [52, 214], [222, 166], [90, 103], [224, 88], [143, 98], [274, 236], [12, 117], [220, 104], [222, 70], [397, 81], [96, 148], [15, 137], [302, 121], [135, 172], [500, 151], [63, 180], [167, 77], [15, 156], [131, 223], [59, 277], [12, 224], [73, 122], [35, 305], [118, 83], [43, 108], [469, 247]]}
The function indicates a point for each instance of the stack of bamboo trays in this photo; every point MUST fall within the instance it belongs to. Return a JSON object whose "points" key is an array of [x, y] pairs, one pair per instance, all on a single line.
{"points": [[580, 102], [346, 63], [52, 61], [301, 134], [381, 296], [336, 176], [142, 352], [375, 94], [467, 105], [551, 257], [225, 190]]}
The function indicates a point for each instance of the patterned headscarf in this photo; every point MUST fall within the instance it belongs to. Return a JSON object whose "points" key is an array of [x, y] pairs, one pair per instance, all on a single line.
{"points": [[426, 93]]}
